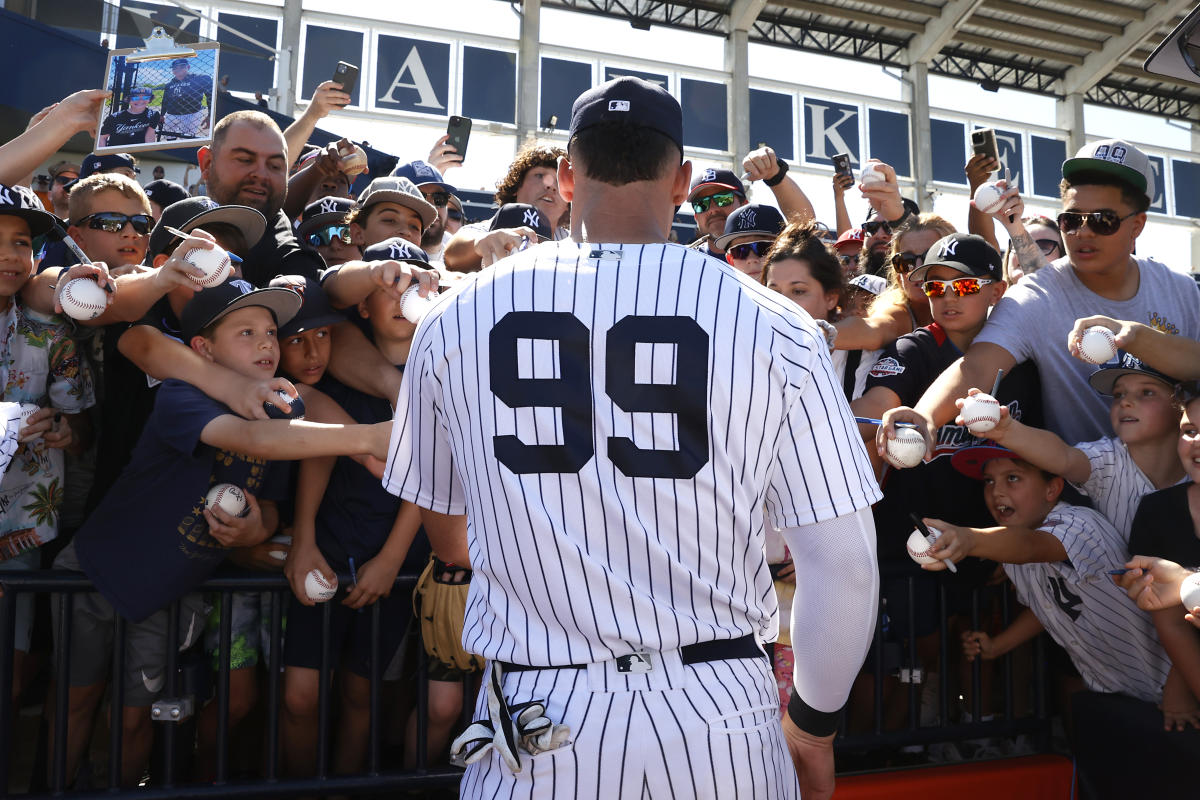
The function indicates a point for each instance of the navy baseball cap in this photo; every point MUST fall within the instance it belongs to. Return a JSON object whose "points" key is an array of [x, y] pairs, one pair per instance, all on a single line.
{"points": [[422, 174], [107, 163], [970, 460], [322, 212], [1104, 379], [141, 91], [965, 252], [754, 219], [20, 201], [396, 249], [165, 192], [516, 215], [180, 62], [720, 178], [209, 305], [187, 215], [315, 309], [632, 101]]}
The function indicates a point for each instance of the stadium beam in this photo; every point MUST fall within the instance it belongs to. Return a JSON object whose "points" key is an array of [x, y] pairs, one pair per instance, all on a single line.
{"points": [[1069, 118], [528, 62], [938, 32], [916, 94], [742, 15], [285, 92], [1097, 66]]}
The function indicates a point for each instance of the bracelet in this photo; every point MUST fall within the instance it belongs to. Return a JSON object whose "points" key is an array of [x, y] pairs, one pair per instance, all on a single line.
{"points": [[777, 178], [809, 720]]}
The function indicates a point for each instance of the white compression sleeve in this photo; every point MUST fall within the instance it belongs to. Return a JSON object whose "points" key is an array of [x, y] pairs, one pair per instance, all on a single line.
{"points": [[835, 607]]}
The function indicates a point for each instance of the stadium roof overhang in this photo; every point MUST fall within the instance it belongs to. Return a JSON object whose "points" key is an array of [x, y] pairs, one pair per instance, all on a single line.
{"points": [[1093, 48]]}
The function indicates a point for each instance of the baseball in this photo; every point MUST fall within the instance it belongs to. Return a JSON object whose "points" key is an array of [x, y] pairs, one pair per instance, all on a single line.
{"points": [[981, 413], [907, 449], [988, 198], [228, 498], [354, 160], [1189, 591], [27, 411], [83, 299], [317, 588], [413, 306], [871, 174], [214, 263], [284, 541], [1097, 345], [918, 546], [277, 412]]}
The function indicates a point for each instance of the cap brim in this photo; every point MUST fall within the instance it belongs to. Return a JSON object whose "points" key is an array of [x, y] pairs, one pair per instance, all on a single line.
{"points": [[423, 209], [1104, 380], [283, 303], [445, 187], [248, 220], [292, 327], [1127, 174], [722, 242], [692, 194], [918, 274], [318, 221], [971, 460], [40, 222]]}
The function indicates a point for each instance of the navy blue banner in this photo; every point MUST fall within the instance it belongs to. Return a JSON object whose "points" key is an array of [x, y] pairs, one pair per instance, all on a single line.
{"points": [[489, 84], [1048, 156], [949, 144], [772, 122], [653, 77], [704, 115], [144, 17], [323, 49], [250, 68], [412, 75], [887, 137], [562, 82], [1159, 204], [830, 128], [1187, 188]]}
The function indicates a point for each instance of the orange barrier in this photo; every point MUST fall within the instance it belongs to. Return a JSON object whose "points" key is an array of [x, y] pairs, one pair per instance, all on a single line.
{"points": [[1028, 777]]}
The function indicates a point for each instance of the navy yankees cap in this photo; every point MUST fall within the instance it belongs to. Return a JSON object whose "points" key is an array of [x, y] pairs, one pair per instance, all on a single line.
{"points": [[194, 212], [20, 201], [315, 309], [755, 219], [422, 174], [516, 215], [396, 249], [400, 191], [320, 213], [719, 178], [165, 192], [969, 254], [209, 305], [180, 62], [632, 101], [1104, 379], [107, 163]]}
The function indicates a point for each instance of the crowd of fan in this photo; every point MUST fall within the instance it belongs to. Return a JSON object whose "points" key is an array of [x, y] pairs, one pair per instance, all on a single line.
{"points": [[162, 395]]}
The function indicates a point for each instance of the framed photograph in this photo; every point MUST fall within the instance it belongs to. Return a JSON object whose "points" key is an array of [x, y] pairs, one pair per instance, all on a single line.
{"points": [[158, 101]]}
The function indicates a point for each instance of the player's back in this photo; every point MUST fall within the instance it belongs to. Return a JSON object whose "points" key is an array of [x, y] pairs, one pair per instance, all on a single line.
{"points": [[618, 415]]}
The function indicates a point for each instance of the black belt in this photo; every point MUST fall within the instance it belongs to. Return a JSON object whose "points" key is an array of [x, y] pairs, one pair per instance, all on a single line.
{"points": [[718, 650]]}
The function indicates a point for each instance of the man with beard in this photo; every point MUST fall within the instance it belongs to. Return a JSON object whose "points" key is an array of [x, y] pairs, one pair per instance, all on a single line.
{"points": [[247, 165], [437, 192], [877, 236]]}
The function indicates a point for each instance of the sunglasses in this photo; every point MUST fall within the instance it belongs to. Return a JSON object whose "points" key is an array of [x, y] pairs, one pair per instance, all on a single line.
{"points": [[720, 200], [960, 286], [439, 199], [1047, 246], [113, 222], [63, 180], [871, 228], [903, 262], [847, 260], [454, 214], [1101, 223], [324, 236], [744, 251]]}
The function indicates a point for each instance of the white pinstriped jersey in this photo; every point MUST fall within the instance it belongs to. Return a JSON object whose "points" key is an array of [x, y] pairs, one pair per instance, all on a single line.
{"points": [[612, 419], [1111, 641], [1116, 484]]}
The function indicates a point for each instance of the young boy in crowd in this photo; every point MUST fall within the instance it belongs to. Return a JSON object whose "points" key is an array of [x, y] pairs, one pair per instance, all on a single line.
{"points": [[323, 228], [152, 539], [39, 365], [390, 207]]}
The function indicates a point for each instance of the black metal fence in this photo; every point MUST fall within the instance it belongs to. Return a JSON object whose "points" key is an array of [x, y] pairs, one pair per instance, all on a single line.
{"points": [[182, 687]]}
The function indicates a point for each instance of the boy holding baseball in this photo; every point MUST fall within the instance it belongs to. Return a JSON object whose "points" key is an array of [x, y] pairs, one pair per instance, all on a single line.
{"points": [[152, 540]]}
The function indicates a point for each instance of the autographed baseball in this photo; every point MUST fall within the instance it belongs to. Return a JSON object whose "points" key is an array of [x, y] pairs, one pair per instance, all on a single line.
{"points": [[354, 160], [228, 498], [413, 306], [871, 174], [284, 541], [317, 588], [980, 412], [277, 412], [907, 449], [988, 198], [1098, 345], [27, 411], [1189, 591], [214, 263], [919, 544], [83, 299]]}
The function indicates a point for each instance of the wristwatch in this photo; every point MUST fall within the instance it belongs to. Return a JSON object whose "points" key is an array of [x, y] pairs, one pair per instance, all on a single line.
{"points": [[777, 178]]}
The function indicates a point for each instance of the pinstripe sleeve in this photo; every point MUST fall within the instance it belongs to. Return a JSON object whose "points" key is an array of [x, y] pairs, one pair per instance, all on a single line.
{"points": [[1103, 457], [420, 466]]}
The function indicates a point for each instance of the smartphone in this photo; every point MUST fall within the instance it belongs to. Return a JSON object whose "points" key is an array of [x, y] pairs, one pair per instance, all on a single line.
{"points": [[347, 76], [459, 130], [983, 142], [841, 165]]}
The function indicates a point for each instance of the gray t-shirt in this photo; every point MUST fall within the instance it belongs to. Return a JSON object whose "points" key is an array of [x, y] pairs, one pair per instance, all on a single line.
{"points": [[1033, 319]]}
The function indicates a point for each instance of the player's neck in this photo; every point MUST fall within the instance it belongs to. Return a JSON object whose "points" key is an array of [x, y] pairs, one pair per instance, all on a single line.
{"points": [[629, 214]]}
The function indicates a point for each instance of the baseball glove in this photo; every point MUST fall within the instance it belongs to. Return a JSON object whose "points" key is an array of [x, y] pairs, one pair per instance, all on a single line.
{"points": [[440, 602]]}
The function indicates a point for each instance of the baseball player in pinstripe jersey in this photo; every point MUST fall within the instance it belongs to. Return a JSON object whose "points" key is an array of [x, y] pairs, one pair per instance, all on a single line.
{"points": [[596, 426]]}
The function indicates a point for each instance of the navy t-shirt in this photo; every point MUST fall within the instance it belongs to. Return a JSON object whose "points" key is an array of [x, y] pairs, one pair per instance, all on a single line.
{"points": [[147, 543], [126, 127]]}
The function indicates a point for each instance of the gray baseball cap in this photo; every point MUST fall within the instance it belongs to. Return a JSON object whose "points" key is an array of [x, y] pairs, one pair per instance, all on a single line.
{"points": [[1114, 157], [401, 191]]}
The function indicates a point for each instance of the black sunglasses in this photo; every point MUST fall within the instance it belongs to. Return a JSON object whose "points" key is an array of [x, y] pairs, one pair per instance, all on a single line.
{"points": [[325, 236], [903, 262], [439, 199], [869, 228], [63, 180], [744, 251], [1101, 223], [1048, 246], [454, 214], [114, 222]]}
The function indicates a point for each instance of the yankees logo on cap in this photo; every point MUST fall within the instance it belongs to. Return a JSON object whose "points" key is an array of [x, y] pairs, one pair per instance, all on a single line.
{"points": [[967, 253], [20, 201], [322, 212], [396, 249], [328, 205], [522, 215], [762, 221]]}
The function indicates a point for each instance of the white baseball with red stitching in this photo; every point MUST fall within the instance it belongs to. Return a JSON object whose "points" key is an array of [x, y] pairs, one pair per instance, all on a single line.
{"points": [[83, 299], [906, 450], [227, 497], [919, 546], [317, 588], [215, 264], [413, 306], [989, 198], [980, 413], [1097, 345], [1189, 591]]}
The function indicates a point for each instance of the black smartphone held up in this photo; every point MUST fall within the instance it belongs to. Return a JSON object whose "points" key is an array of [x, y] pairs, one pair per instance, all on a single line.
{"points": [[983, 142], [459, 131], [347, 76], [841, 165]]}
